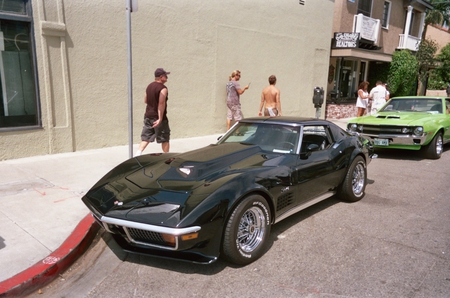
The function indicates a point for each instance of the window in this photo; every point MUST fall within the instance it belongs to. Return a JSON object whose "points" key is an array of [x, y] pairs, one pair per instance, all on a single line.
{"points": [[386, 14], [18, 96], [315, 135], [365, 7]]}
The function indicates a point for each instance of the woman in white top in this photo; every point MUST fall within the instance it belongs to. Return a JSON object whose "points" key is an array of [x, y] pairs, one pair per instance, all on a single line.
{"points": [[363, 98]]}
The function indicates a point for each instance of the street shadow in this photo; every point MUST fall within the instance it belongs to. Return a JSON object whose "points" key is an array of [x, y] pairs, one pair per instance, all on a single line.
{"points": [[219, 265], [2, 243], [163, 263], [402, 154], [300, 216]]}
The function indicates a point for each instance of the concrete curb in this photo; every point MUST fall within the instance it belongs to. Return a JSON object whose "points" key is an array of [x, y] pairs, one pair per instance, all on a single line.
{"points": [[48, 269]]}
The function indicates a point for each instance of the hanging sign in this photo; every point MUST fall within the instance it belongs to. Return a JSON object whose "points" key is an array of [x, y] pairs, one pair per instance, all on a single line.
{"points": [[345, 40]]}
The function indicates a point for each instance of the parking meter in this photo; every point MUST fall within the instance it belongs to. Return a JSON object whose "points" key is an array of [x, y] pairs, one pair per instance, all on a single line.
{"points": [[318, 97], [318, 100]]}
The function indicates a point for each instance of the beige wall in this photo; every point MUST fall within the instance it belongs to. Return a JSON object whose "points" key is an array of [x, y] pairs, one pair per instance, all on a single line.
{"points": [[82, 64], [439, 35], [390, 37]]}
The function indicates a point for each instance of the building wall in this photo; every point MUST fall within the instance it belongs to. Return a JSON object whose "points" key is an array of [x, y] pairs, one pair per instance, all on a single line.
{"points": [[390, 37], [439, 35], [83, 71], [343, 16]]}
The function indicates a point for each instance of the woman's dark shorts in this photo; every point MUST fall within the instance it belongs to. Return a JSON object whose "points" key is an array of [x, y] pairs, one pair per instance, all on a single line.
{"points": [[161, 133]]}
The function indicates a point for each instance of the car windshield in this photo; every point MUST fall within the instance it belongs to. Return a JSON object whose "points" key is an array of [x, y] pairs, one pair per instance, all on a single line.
{"points": [[270, 137], [429, 105]]}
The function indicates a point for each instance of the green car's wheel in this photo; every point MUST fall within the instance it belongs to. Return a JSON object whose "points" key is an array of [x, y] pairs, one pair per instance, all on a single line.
{"points": [[434, 149], [354, 184], [247, 231]]}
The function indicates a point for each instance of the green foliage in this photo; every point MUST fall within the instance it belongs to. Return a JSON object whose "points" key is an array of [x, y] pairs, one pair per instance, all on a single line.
{"points": [[444, 58], [426, 56], [426, 61], [440, 76], [435, 81], [403, 73], [437, 15], [443, 6]]}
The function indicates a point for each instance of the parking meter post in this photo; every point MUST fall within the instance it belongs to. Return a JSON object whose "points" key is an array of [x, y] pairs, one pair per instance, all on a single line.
{"points": [[318, 112], [318, 100]]}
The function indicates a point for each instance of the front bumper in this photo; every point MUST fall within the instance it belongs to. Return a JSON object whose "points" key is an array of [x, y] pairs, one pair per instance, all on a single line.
{"points": [[145, 234], [150, 240], [395, 140]]}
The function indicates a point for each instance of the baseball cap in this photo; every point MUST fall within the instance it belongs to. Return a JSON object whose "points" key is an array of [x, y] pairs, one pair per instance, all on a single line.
{"points": [[160, 71]]}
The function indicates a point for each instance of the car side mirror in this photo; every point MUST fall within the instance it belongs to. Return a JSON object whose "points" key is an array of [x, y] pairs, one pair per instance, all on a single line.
{"points": [[311, 148]]}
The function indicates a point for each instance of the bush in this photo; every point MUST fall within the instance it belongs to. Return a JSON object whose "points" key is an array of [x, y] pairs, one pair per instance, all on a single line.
{"points": [[435, 81], [403, 72], [440, 76]]}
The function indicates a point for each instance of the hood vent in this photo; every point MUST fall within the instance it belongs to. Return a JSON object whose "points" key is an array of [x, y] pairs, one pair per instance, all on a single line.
{"points": [[388, 117]]}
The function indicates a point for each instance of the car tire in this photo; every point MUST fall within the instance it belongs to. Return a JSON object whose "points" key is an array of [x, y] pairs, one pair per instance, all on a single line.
{"points": [[355, 181], [434, 149], [247, 231]]}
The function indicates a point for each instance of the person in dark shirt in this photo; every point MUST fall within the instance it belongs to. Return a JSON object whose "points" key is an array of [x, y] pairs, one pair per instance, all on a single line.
{"points": [[156, 123]]}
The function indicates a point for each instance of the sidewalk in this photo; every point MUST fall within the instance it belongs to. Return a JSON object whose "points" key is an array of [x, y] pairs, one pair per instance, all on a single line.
{"points": [[44, 226]]}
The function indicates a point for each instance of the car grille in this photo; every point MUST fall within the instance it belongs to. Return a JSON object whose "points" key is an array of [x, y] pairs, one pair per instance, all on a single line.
{"points": [[383, 129], [147, 237], [139, 236]]}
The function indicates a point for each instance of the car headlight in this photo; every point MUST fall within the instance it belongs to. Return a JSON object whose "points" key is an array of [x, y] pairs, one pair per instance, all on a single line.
{"points": [[405, 130], [418, 131], [354, 127]]}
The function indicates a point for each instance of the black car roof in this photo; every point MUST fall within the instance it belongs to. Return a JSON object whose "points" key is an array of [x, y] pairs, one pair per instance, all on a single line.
{"points": [[287, 120]]}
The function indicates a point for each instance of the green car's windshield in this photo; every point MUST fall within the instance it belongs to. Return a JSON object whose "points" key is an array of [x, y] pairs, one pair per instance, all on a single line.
{"points": [[431, 105], [270, 137]]}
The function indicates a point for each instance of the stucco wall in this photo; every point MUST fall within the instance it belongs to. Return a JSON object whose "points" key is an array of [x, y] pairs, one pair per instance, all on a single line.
{"points": [[439, 35], [82, 64]]}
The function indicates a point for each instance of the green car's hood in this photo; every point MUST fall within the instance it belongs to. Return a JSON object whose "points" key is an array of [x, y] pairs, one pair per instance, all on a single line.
{"points": [[396, 118]]}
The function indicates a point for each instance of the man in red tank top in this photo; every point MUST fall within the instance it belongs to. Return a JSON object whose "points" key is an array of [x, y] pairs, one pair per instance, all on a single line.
{"points": [[156, 124]]}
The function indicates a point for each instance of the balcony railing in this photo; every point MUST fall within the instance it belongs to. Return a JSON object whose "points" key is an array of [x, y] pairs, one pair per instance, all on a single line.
{"points": [[408, 42]]}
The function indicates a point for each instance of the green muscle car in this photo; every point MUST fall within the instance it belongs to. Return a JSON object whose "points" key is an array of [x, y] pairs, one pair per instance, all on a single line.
{"points": [[413, 123]]}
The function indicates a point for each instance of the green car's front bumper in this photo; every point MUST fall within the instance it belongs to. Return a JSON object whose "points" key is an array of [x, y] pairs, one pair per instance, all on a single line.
{"points": [[410, 142]]}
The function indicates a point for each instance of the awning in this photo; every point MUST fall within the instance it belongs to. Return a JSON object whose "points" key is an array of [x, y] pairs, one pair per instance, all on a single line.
{"points": [[361, 54]]}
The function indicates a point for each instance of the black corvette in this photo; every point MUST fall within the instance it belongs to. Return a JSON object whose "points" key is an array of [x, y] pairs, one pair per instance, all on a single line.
{"points": [[222, 199]]}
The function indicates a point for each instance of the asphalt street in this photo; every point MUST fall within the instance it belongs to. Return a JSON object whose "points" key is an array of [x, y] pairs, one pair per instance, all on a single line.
{"points": [[395, 242]]}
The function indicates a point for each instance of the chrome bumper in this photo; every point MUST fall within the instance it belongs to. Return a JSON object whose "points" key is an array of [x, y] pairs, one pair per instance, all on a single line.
{"points": [[398, 139]]}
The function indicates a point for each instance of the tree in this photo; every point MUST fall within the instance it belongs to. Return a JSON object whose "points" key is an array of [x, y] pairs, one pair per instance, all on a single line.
{"points": [[403, 73], [425, 62], [438, 15], [444, 68]]}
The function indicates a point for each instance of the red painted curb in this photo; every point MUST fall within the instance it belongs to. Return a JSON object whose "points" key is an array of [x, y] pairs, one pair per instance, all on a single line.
{"points": [[48, 269]]}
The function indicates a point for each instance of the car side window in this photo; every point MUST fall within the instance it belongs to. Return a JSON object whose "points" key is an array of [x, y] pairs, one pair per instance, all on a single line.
{"points": [[337, 133], [315, 134]]}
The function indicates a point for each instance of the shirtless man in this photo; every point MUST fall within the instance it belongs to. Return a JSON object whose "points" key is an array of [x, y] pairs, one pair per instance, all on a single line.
{"points": [[270, 99]]}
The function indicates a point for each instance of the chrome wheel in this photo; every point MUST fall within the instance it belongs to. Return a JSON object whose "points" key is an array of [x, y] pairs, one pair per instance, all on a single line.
{"points": [[435, 148], [354, 184], [247, 230], [251, 229], [358, 179], [439, 145]]}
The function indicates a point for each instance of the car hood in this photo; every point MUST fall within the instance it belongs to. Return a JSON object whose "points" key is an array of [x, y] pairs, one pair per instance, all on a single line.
{"points": [[157, 187], [395, 118]]}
